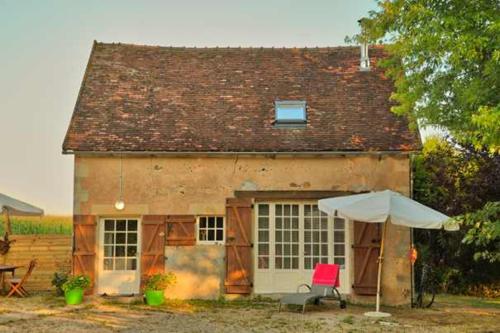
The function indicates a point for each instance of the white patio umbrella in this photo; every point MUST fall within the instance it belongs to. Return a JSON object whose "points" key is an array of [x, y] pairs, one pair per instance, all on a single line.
{"points": [[13, 207], [382, 207]]}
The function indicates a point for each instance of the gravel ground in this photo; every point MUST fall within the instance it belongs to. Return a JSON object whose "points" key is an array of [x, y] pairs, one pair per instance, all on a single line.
{"points": [[46, 313]]}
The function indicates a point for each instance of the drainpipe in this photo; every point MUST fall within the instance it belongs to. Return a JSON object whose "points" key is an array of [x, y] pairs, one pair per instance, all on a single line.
{"points": [[412, 272]]}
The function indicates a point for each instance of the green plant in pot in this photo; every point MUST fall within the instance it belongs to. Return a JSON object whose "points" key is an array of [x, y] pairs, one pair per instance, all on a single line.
{"points": [[155, 287], [74, 287]]}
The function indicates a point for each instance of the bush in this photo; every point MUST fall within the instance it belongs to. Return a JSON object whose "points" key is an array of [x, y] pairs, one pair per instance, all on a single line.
{"points": [[76, 282], [461, 182], [485, 290], [160, 281], [58, 280]]}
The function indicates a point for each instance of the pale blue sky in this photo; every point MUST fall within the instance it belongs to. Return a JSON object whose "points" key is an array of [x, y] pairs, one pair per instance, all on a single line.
{"points": [[44, 47]]}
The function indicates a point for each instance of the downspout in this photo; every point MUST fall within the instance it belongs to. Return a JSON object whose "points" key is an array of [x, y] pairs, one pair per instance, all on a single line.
{"points": [[412, 271]]}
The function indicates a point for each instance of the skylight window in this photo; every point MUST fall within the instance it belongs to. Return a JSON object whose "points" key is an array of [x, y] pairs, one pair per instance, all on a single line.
{"points": [[290, 112]]}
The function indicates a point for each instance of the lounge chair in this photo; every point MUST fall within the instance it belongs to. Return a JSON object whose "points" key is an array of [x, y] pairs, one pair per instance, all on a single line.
{"points": [[324, 285], [16, 284]]}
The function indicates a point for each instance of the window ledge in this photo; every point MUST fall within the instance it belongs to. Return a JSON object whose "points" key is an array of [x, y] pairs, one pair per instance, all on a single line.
{"points": [[290, 124], [219, 243]]}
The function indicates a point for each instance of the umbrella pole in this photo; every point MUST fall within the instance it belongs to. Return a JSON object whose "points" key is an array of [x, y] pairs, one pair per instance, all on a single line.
{"points": [[8, 227], [377, 313], [380, 261]]}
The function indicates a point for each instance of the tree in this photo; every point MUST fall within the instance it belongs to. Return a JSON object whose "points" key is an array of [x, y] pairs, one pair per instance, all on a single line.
{"points": [[455, 179], [483, 231], [445, 62], [462, 182]]}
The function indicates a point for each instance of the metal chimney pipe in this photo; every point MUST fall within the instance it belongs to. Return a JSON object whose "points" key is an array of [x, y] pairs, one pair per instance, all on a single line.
{"points": [[364, 64]]}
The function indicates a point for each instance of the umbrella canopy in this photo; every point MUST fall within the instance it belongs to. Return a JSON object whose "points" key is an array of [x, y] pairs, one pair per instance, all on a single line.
{"points": [[378, 207], [382, 207], [16, 207]]}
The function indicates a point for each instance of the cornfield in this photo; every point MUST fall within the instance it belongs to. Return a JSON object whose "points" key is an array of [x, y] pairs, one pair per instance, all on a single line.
{"points": [[49, 224]]}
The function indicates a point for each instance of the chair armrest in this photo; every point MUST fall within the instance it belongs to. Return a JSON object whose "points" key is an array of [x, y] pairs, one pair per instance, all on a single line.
{"points": [[303, 285]]}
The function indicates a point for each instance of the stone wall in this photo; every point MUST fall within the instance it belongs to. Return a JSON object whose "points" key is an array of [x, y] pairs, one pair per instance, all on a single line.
{"points": [[199, 270], [200, 185], [182, 185]]}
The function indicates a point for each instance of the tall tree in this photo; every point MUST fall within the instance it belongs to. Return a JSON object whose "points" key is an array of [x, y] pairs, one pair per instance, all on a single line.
{"points": [[445, 62], [461, 182]]}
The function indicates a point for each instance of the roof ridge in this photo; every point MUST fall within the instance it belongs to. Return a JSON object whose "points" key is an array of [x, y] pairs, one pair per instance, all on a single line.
{"points": [[194, 47]]}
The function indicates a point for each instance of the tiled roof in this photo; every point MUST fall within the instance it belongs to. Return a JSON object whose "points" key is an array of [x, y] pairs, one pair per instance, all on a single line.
{"points": [[168, 99]]}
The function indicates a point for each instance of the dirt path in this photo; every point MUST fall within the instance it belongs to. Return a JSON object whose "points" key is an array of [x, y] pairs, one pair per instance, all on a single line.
{"points": [[44, 313]]}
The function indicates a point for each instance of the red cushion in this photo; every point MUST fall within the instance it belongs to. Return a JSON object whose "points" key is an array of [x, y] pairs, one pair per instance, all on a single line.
{"points": [[326, 274]]}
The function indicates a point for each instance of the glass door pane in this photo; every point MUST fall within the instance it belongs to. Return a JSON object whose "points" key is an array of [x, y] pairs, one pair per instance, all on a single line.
{"points": [[263, 236], [315, 237], [286, 247], [339, 226], [120, 244]]}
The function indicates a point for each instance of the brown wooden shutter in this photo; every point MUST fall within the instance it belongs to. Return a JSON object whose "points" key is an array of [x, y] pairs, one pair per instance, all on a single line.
{"points": [[239, 278], [181, 230], [366, 251], [84, 247], [153, 245]]}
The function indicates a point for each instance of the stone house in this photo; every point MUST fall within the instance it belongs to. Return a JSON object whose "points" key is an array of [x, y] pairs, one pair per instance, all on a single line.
{"points": [[209, 162]]}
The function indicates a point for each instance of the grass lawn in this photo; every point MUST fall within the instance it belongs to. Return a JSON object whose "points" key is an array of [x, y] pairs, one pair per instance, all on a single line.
{"points": [[48, 224], [47, 313], [475, 302]]}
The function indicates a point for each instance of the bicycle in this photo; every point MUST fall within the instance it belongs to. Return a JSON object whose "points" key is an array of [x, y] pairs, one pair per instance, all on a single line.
{"points": [[427, 288]]}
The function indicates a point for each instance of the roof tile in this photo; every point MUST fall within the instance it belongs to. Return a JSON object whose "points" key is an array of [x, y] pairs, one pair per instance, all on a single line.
{"points": [[164, 99]]}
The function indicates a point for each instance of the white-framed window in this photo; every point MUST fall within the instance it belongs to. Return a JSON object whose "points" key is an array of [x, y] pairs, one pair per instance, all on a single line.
{"points": [[210, 230], [297, 236]]}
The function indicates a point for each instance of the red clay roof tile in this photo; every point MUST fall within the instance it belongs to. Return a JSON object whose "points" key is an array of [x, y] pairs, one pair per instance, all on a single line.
{"points": [[162, 99]]}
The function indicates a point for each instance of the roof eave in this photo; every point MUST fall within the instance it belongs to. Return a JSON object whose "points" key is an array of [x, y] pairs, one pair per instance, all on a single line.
{"points": [[250, 153]]}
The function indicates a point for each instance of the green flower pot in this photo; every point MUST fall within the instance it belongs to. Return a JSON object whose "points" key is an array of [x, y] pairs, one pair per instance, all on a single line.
{"points": [[74, 296], [154, 297]]}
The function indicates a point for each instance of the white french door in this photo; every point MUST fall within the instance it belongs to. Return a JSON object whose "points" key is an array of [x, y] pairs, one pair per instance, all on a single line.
{"points": [[291, 238], [119, 256]]}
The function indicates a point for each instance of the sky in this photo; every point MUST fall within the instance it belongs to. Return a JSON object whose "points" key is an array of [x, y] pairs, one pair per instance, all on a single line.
{"points": [[45, 45]]}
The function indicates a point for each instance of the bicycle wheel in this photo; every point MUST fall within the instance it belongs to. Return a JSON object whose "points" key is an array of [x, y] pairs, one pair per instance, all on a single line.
{"points": [[426, 297]]}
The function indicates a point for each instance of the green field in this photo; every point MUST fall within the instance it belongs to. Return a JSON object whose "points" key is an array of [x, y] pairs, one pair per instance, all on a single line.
{"points": [[49, 224]]}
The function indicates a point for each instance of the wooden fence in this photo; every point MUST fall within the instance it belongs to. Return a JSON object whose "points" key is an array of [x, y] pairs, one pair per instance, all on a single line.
{"points": [[53, 253]]}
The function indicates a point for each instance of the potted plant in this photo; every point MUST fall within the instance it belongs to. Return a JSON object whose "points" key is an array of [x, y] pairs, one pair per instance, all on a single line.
{"points": [[74, 287], [155, 287]]}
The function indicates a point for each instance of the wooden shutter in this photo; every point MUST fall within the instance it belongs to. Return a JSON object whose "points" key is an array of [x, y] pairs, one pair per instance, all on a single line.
{"points": [[366, 251], [84, 247], [181, 230], [238, 246], [153, 245]]}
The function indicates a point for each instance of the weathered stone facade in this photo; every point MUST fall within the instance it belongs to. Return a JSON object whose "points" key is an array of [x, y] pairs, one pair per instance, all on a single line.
{"points": [[200, 186]]}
